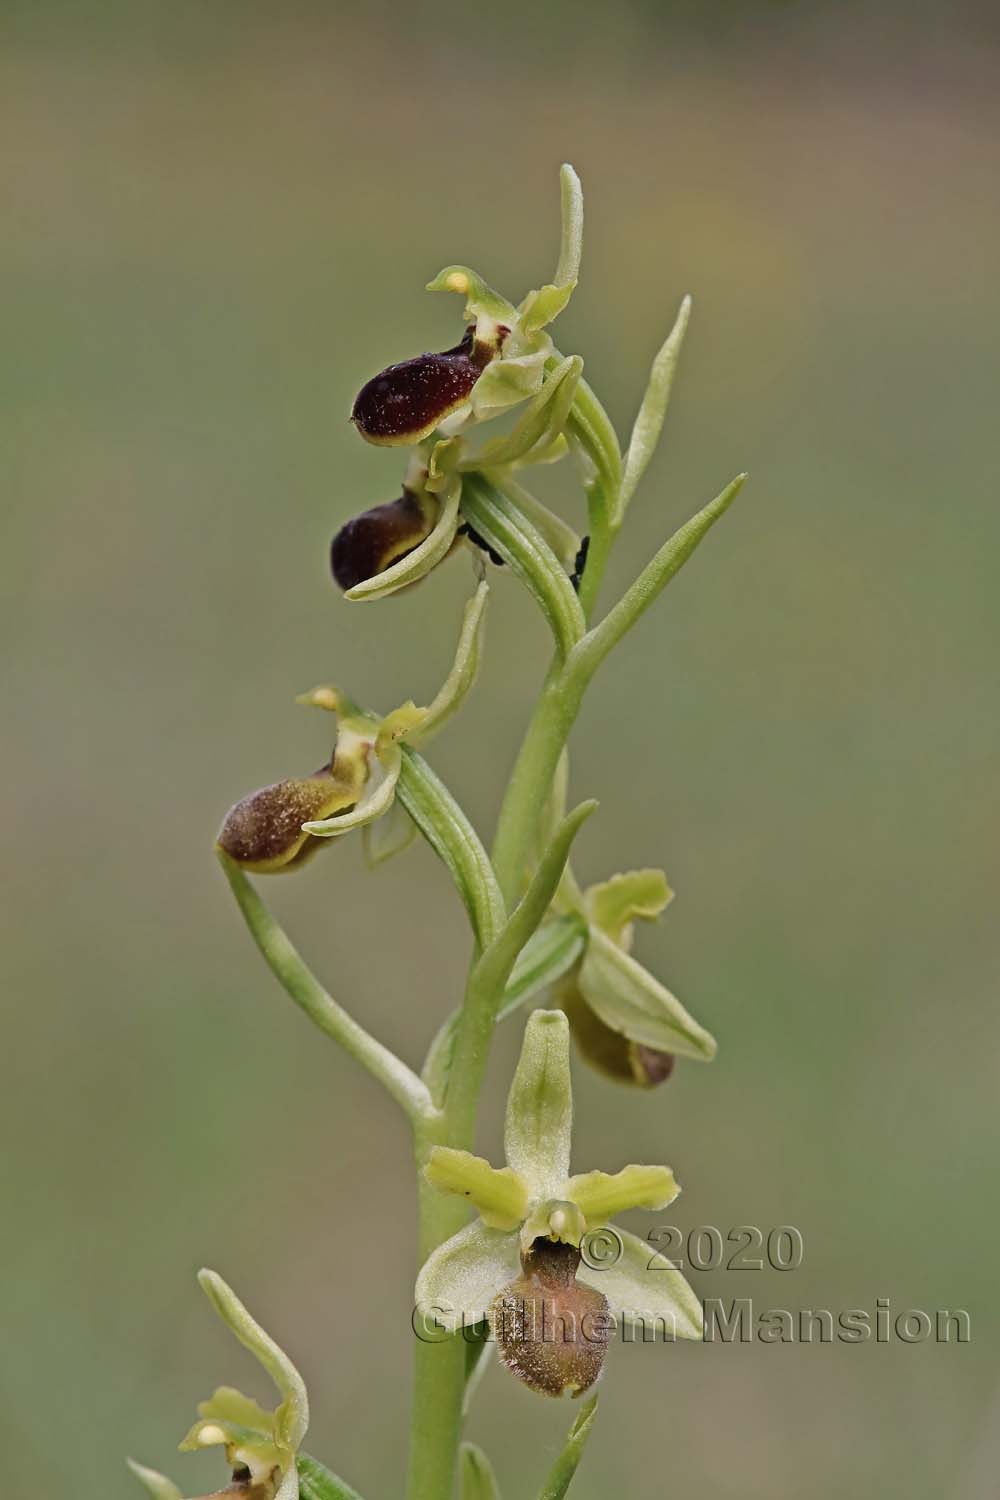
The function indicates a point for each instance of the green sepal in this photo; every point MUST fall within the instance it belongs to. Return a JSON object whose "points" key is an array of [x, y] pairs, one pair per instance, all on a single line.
{"points": [[561, 1474], [649, 422], [459, 1281], [317, 1483], [292, 1416], [512, 535], [626, 997], [157, 1484], [539, 1120], [541, 306], [464, 671], [477, 1480], [645, 1293]]}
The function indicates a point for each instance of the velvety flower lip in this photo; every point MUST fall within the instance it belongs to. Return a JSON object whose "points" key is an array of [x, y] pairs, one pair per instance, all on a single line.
{"points": [[371, 542], [403, 403]]}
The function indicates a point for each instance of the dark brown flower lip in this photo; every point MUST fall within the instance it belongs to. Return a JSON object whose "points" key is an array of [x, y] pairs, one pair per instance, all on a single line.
{"points": [[263, 831], [369, 543], [551, 1331], [404, 403]]}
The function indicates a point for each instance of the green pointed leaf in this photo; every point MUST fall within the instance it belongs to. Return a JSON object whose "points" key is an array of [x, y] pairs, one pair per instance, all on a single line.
{"points": [[626, 997], [418, 563], [551, 951], [645, 1294], [292, 1416], [653, 579], [539, 1120], [459, 1280], [317, 1483], [494, 967], [509, 532], [157, 1485], [649, 422], [452, 837], [477, 1480], [566, 1464]]}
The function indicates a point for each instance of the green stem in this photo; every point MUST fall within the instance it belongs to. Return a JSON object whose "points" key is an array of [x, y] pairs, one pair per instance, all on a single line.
{"points": [[532, 777], [438, 1367], [285, 963]]}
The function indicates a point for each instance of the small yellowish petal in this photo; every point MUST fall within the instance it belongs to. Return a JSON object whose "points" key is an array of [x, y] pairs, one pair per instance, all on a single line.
{"points": [[601, 1195], [500, 1195]]}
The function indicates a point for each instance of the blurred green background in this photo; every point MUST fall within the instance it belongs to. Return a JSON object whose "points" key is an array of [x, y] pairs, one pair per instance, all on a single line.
{"points": [[217, 222]]}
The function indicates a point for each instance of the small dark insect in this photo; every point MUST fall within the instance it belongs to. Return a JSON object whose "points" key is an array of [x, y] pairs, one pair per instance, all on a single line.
{"points": [[478, 541], [579, 563]]}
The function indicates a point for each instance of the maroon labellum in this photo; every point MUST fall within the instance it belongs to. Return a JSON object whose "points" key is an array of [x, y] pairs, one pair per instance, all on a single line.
{"points": [[370, 543], [552, 1332], [404, 403]]}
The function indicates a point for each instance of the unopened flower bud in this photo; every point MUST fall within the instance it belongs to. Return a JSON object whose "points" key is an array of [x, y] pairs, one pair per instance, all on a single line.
{"points": [[552, 1331], [608, 1051], [371, 542], [404, 403], [263, 832]]}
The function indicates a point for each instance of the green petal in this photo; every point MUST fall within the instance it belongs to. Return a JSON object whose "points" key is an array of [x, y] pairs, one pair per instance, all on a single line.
{"points": [[460, 1279], [419, 562], [158, 1485], [500, 1196], [648, 1297], [292, 1416], [601, 1195], [627, 998], [477, 1480], [516, 376], [540, 1106], [616, 903]]}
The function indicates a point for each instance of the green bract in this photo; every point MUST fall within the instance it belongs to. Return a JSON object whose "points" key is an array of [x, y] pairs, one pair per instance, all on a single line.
{"points": [[536, 1198]]}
